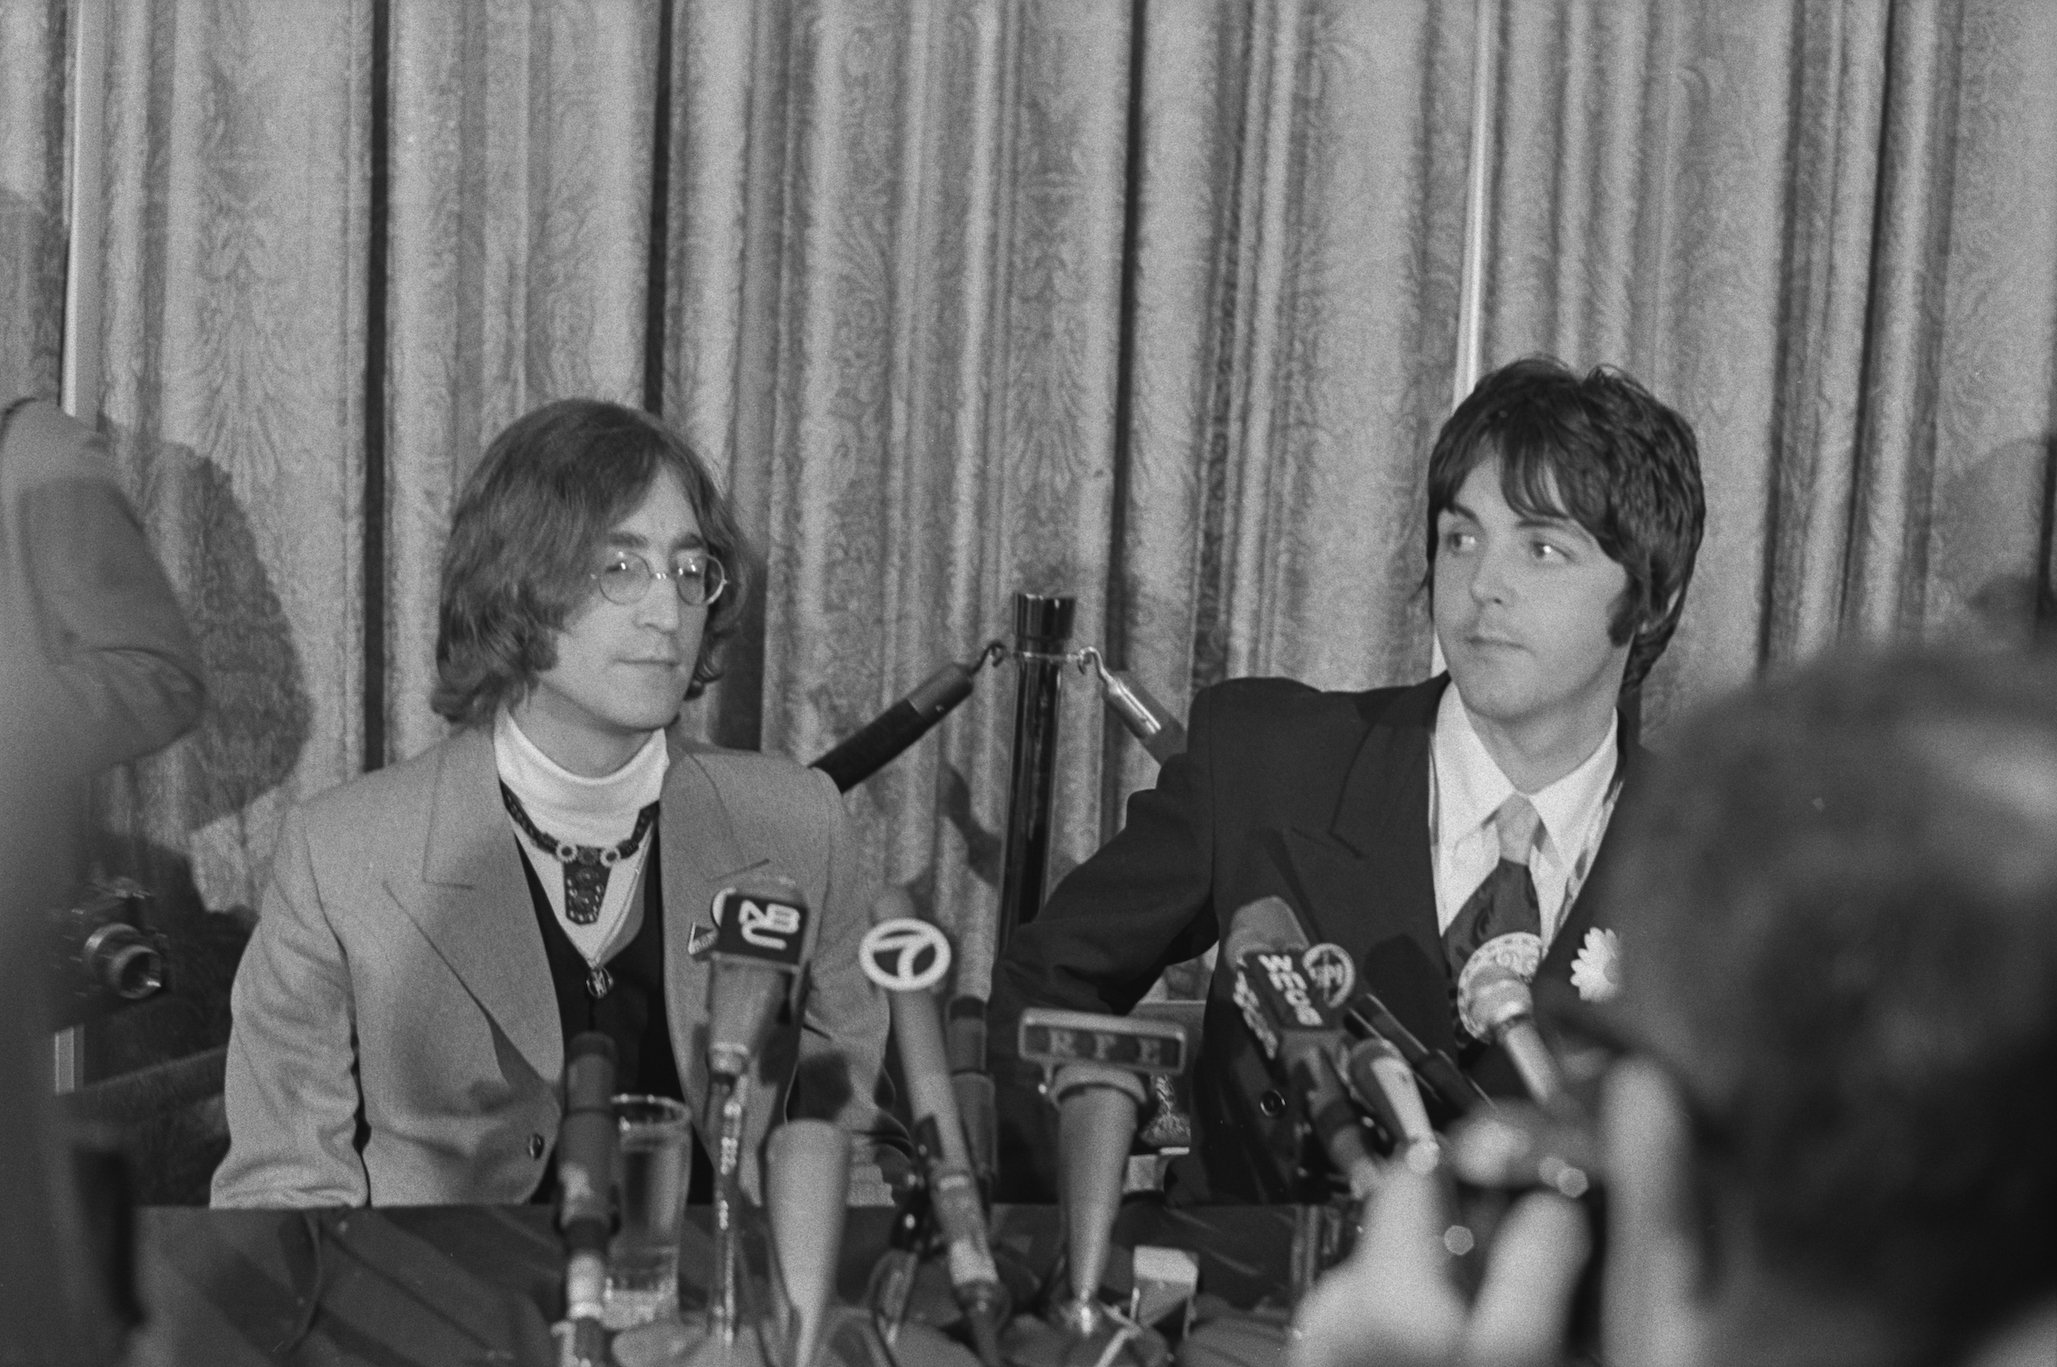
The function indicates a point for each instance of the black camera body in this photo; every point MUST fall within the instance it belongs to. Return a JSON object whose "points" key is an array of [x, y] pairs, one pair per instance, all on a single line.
{"points": [[103, 955]]}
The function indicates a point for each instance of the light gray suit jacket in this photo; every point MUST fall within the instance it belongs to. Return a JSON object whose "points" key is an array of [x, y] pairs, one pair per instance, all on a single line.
{"points": [[396, 1037]]}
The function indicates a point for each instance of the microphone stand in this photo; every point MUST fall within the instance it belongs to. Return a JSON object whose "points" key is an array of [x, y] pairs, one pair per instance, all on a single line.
{"points": [[722, 1312], [893, 1280]]}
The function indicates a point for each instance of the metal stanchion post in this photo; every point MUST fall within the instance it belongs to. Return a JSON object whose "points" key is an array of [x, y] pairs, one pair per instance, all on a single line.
{"points": [[1042, 626]]}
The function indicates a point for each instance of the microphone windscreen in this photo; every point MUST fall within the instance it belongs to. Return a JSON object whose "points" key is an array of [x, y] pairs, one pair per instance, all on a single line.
{"points": [[1096, 1126], [1490, 998], [759, 937], [977, 1110], [1088, 1073], [586, 1141], [589, 1064], [806, 1187], [1265, 924]]}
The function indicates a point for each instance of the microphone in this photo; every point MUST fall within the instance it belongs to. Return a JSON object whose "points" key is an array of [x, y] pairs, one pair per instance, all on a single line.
{"points": [[586, 1142], [1267, 923], [907, 957], [882, 739], [1287, 989], [1272, 920], [806, 1185], [1366, 1017], [964, 1043], [760, 927], [1380, 1077], [1098, 1107], [1097, 1064], [1494, 1003]]}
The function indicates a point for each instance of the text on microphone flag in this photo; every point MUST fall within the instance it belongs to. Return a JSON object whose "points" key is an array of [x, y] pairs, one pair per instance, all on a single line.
{"points": [[761, 928], [904, 954], [1291, 993], [1054, 1037]]}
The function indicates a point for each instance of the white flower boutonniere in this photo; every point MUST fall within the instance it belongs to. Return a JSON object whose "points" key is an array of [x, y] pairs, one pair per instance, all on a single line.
{"points": [[1596, 972]]}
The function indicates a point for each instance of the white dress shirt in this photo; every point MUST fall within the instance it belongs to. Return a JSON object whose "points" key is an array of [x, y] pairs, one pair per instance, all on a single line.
{"points": [[585, 811], [1466, 787]]}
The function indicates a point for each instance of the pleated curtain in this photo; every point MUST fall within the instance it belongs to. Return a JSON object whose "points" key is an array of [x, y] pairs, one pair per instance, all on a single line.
{"points": [[1153, 304], [32, 166], [1827, 232]]}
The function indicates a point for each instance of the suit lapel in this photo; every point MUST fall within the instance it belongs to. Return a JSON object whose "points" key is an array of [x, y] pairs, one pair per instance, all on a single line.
{"points": [[473, 903], [1367, 883], [1583, 915]]}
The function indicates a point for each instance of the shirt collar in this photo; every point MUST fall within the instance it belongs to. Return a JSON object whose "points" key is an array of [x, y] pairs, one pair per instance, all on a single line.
{"points": [[586, 810], [1470, 786]]}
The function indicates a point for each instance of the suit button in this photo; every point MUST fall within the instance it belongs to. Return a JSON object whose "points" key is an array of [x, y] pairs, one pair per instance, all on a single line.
{"points": [[536, 1146], [1271, 1103]]}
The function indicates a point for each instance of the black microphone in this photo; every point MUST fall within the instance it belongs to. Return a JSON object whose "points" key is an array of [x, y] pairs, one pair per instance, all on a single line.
{"points": [[1366, 1017], [964, 1044], [1293, 1019], [1363, 1014], [761, 926], [1494, 1003], [586, 1143], [882, 739], [907, 957]]}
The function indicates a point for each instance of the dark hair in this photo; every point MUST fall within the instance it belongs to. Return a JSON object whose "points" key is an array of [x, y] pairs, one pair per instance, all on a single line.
{"points": [[1838, 910], [549, 489], [1601, 451]]}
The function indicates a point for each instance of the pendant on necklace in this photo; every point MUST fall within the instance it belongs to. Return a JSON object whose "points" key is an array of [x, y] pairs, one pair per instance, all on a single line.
{"points": [[599, 982]]}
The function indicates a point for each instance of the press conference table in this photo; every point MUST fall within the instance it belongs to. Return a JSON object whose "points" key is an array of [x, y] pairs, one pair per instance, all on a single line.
{"points": [[461, 1285]]}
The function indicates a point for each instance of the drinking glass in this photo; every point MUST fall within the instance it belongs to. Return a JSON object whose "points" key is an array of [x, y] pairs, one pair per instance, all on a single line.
{"points": [[650, 1186]]}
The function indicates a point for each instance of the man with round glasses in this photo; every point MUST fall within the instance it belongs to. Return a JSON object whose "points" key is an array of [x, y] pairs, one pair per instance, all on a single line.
{"points": [[436, 932]]}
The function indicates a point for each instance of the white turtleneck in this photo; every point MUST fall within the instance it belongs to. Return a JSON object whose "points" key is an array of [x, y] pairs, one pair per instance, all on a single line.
{"points": [[585, 811]]}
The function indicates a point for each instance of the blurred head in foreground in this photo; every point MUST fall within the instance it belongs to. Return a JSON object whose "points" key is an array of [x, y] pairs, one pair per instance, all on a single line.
{"points": [[1838, 913]]}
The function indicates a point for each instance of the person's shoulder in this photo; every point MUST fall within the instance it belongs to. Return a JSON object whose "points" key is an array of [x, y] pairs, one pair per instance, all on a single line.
{"points": [[753, 766], [1271, 706], [752, 782], [395, 796], [44, 443]]}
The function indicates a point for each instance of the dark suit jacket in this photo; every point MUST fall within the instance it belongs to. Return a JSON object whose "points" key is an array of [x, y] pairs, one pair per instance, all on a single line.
{"points": [[1322, 798]]}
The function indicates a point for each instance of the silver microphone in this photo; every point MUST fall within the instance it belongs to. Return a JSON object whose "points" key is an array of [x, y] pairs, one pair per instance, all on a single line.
{"points": [[1495, 1004]]}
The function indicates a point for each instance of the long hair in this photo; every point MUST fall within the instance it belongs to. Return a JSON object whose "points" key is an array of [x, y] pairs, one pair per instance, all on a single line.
{"points": [[522, 541]]}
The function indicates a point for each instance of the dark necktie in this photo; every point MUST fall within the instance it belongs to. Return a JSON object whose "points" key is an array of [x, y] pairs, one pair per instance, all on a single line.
{"points": [[1506, 901]]}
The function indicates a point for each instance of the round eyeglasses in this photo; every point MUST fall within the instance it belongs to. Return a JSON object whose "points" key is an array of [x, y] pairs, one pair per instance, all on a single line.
{"points": [[625, 578]]}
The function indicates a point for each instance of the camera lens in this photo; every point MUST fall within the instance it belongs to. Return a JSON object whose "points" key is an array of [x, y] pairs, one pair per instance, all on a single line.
{"points": [[121, 959]]}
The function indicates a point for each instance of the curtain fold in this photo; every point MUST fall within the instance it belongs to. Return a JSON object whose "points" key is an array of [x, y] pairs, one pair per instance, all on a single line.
{"points": [[1825, 233], [896, 295], [517, 262], [235, 201], [1958, 430], [1153, 304], [33, 91], [910, 276]]}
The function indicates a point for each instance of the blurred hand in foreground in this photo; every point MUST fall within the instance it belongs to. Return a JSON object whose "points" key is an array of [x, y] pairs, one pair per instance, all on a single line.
{"points": [[1395, 1302]]}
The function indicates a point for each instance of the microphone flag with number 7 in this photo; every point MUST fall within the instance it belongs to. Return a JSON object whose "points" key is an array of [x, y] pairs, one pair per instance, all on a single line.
{"points": [[760, 931], [907, 957]]}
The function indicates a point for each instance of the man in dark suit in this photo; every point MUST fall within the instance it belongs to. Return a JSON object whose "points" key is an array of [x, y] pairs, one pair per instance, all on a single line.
{"points": [[1415, 827], [1829, 1135]]}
